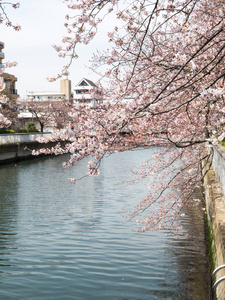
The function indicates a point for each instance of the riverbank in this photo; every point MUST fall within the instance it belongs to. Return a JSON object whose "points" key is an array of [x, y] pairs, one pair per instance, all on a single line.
{"points": [[215, 210], [17, 147]]}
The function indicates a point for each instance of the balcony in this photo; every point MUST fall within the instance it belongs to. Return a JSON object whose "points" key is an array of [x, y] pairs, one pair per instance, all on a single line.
{"points": [[82, 96]]}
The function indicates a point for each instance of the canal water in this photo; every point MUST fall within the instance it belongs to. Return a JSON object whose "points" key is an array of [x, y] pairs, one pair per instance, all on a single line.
{"points": [[64, 241]]}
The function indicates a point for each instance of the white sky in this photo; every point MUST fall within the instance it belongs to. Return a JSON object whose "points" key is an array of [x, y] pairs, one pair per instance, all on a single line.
{"points": [[42, 24]]}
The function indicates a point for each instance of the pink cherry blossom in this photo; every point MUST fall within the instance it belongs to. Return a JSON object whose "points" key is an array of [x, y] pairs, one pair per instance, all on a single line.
{"points": [[165, 70]]}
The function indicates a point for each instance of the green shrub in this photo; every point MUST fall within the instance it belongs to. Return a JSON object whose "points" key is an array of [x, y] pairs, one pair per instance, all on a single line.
{"points": [[31, 127], [22, 131], [222, 143], [6, 131]]}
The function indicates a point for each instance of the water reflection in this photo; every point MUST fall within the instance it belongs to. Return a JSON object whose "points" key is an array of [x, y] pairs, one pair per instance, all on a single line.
{"points": [[62, 241], [190, 256], [8, 213]]}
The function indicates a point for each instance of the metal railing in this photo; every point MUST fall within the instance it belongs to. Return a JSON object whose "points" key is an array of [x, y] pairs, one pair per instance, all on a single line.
{"points": [[214, 285]]}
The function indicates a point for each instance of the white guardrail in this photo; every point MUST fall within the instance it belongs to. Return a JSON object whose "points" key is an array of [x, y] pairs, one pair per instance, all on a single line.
{"points": [[21, 137]]}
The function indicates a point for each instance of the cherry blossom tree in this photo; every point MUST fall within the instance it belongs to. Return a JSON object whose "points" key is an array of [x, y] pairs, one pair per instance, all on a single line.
{"points": [[60, 115], [165, 66], [166, 72], [51, 112]]}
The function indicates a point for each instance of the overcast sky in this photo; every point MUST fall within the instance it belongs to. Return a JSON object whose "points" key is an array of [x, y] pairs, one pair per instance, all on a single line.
{"points": [[42, 25]]}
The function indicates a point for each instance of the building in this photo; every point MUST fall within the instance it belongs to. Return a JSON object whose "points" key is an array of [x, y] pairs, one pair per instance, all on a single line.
{"points": [[2, 55], [86, 92], [82, 93], [65, 88], [36, 104], [9, 79], [45, 96], [63, 94], [10, 86]]}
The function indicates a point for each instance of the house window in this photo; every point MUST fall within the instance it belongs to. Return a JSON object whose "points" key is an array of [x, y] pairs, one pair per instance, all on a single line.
{"points": [[83, 83]]}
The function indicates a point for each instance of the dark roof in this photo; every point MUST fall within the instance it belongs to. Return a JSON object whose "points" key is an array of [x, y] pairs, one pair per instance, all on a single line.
{"points": [[89, 82]]}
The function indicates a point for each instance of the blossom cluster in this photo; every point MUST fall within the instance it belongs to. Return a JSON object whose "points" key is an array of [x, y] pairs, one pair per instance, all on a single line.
{"points": [[4, 18]]}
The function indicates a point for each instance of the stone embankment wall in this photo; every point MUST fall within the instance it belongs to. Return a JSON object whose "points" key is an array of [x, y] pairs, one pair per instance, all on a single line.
{"points": [[6, 139], [214, 185], [15, 147]]}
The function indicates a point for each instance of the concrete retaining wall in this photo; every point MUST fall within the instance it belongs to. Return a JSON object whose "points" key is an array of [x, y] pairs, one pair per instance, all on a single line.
{"points": [[6, 139], [16, 147], [219, 164], [215, 207]]}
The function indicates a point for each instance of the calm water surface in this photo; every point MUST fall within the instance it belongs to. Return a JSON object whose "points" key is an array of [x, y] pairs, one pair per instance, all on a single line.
{"points": [[63, 241]]}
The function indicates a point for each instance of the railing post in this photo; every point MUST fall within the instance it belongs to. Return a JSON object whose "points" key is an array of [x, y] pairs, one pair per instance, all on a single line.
{"points": [[213, 286]]}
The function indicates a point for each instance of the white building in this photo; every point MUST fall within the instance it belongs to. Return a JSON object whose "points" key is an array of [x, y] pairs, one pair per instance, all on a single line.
{"points": [[83, 93], [45, 96], [64, 94]]}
